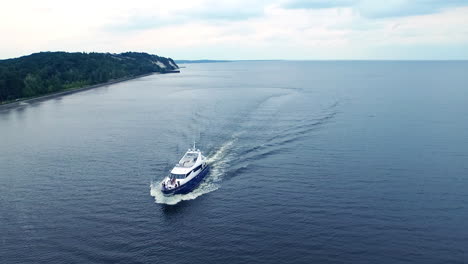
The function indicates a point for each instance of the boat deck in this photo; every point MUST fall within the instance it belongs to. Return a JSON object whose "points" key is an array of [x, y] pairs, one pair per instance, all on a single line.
{"points": [[188, 160]]}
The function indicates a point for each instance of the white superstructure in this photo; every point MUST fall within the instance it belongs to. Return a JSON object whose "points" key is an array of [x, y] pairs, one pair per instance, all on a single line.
{"points": [[184, 175]]}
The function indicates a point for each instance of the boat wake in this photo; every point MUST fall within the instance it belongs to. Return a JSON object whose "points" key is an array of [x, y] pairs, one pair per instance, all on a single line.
{"points": [[235, 155]]}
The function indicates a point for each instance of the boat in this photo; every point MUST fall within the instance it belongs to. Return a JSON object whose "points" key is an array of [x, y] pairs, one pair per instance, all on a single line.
{"points": [[187, 174]]}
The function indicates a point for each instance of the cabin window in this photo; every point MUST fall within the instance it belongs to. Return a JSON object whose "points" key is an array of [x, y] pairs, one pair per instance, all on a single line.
{"points": [[178, 176], [197, 168]]}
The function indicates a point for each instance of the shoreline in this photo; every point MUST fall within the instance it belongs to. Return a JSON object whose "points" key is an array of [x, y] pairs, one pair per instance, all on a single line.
{"points": [[40, 98]]}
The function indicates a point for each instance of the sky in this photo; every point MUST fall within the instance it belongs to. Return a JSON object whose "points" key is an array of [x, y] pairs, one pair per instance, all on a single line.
{"points": [[240, 29]]}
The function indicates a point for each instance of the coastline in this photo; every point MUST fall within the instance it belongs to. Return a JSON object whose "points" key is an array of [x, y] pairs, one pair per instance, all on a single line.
{"points": [[40, 98]]}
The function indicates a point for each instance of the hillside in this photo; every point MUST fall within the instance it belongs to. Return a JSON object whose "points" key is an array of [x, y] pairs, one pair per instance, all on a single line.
{"points": [[48, 72]]}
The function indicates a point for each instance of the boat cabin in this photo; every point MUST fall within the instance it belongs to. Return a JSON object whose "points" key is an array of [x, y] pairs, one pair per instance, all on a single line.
{"points": [[188, 160]]}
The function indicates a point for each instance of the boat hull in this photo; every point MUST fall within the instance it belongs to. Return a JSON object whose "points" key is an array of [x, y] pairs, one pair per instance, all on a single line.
{"points": [[189, 186]]}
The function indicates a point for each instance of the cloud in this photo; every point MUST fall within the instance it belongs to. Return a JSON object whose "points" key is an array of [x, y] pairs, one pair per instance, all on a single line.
{"points": [[242, 29], [379, 9], [198, 10], [141, 23], [316, 4], [317, 34], [402, 8], [227, 10]]}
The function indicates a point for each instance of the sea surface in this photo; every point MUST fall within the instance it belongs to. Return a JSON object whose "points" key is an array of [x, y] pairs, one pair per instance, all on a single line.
{"points": [[312, 162]]}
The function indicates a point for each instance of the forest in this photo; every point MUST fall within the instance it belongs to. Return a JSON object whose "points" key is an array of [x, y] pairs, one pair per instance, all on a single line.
{"points": [[48, 72]]}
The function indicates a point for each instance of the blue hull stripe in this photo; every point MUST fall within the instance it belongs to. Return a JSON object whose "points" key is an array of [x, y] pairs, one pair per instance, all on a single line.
{"points": [[189, 186]]}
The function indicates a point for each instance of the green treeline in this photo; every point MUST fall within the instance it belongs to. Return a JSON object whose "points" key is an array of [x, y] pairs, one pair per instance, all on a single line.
{"points": [[48, 72]]}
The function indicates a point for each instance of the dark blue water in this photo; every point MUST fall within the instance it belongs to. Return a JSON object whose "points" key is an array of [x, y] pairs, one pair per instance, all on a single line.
{"points": [[312, 162]]}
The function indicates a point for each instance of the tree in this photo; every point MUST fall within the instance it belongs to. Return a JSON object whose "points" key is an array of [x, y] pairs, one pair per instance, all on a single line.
{"points": [[47, 72]]}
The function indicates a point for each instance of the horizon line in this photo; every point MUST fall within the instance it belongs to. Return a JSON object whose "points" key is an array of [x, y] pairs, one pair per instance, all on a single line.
{"points": [[299, 60]]}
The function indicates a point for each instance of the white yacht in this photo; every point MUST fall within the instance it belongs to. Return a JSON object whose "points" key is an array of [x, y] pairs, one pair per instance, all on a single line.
{"points": [[187, 174]]}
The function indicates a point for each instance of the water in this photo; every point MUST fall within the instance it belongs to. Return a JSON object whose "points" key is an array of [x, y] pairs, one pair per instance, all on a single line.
{"points": [[312, 162]]}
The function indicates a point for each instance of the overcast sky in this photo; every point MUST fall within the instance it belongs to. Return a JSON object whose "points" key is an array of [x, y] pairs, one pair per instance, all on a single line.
{"points": [[240, 29]]}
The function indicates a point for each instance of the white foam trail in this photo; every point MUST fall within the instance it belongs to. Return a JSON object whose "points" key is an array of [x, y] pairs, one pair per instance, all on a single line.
{"points": [[218, 162], [222, 150], [204, 188]]}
